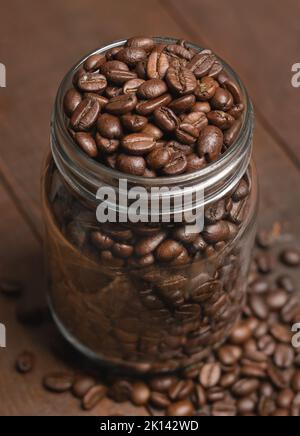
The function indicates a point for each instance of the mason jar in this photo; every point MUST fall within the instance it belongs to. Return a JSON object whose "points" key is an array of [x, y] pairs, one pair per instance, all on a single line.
{"points": [[115, 291]]}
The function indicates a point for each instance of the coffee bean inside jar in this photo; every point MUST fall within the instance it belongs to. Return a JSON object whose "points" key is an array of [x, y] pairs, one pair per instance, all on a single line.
{"points": [[150, 296]]}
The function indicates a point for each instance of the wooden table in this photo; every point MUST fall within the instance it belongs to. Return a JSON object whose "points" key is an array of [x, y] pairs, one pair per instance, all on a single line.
{"points": [[38, 43]]}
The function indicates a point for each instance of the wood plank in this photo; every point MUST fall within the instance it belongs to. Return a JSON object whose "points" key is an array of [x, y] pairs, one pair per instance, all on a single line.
{"points": [[59, 45], [261, 41]]}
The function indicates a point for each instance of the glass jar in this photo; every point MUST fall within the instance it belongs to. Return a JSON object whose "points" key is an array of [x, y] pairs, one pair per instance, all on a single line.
{"points": [[126, 308]]}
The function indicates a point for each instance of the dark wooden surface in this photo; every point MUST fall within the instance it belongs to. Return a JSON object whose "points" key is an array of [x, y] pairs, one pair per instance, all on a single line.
{"points": [[38, 43]]}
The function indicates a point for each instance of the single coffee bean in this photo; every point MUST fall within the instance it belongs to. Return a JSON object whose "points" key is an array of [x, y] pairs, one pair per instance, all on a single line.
{"points": [[122, 250], [281, 333], [85, 115], [177, 164], [58, 382], [131, 55], [111, 54], [210, 375], [132, 86], [162, 383], [237, 110], [285, 398], [120, 391], [181, 390], [224, 408], [92, 82], [265, 263], [113, 91], [141, 42], [134, 123], [140, 394], [234, 90], [94, 62], [231, 134], [245, 387], [158, 158], [182, 104], [113, 65], [210, 143], [229, 355], [206, 89], [169, 250], [202, 63], [290, 257], [109, 126], [240, 334], [138, 144], [72, 99], [194, 163], [202, 106], [99, 98], [155, 132], [295, 382], [157, 65], [190, 127], [166, 119], [10, 288], [181, 80], [215, 212], [105, 145], [82, 385], [159, 400], [151, 89], [283, 356], [120, 77], [25, 362], [149, 106], [181, 408], [277, 299], [258, 306], [93, 397], [178, 51], [222, 100], [245, 405], [286, 282], [220, 119], [122, 104], [216, 232], [260, 286], [276, 376], [241, 192], [267, 345], [87, 143], [135, 165]]}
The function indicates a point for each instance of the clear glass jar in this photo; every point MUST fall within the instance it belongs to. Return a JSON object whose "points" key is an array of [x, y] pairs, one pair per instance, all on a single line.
{"points": [[133, 311]]}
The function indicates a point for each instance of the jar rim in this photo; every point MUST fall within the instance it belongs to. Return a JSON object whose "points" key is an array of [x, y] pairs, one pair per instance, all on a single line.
{"points": [[94, 172]]}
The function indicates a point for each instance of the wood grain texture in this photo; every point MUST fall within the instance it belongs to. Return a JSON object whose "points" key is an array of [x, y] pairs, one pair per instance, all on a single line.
{"points": [[44, 41], [261, 41]]}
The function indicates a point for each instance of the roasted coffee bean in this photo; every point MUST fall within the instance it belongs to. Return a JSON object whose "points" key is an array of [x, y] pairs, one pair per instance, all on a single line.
{"points": [[141, 42], [220, 119], [267, 345], [131, 55], [281, 333], [58, 382], [159, 400], [291, 257], [85, 115], [216, 232], [166, 119], [72, 99], [181, 408], [229, 355], [190, 127], [162, 383], [87, 143], [177, 164], [10, 288], [94, 62], [224, 408], [234, 90], [183, 104], [286, 282], [149, 244], [240, 334], [210, 143], [105, 145], [113, 65], [283, 356], [259, 307], [260, 286], [246, 405], [122, 104], [134, 123], [157, 65], [194, 163], [82, 385], [178, 51], [231, 134], [222, 100], [169, 250], [109, 126], [265, 263], [96, 97], [276, 376], [266, 406], [215, 212], [155, 132], [149, 106], [245, 387], [158, 158], [152, 89], [119, 77], [206, 89], [122, 250], [120, 391], [210, 375], [285, 398], [132, 86], [295, 382], [140, 394], [181, 80], [93, 397], [263, 240], [276, 300], [202, 63], [181, 390], [241, 192], [25, 362], [110, 54], [92, 82], [135, 165], [138, 144], [202, 106]]}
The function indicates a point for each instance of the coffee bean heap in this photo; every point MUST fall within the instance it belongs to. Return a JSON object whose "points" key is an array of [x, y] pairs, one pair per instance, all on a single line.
{"points": [[151, 109], [255, 373]]}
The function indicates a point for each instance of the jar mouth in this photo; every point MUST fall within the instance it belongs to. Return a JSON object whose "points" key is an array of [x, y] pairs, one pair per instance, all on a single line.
{"points": [[93, 173]]}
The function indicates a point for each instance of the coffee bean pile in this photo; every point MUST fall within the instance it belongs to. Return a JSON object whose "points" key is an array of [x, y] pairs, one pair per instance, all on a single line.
{"points": [[255, 373], [152, 109]]}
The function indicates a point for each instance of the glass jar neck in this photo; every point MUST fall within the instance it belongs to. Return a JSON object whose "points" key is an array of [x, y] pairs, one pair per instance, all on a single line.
{"points": [[85, 176]]}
